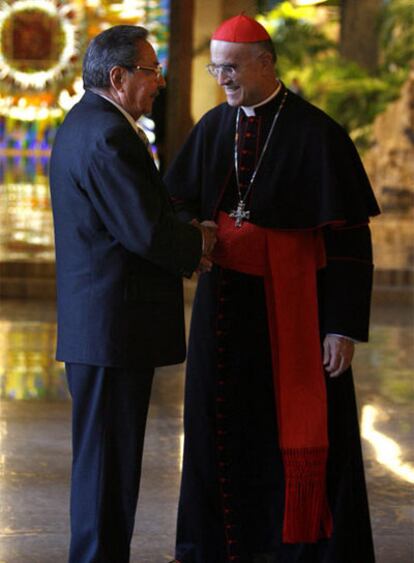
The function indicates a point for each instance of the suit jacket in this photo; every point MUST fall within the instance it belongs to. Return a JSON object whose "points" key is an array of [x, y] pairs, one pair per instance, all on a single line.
{"points": [[120, 251]]}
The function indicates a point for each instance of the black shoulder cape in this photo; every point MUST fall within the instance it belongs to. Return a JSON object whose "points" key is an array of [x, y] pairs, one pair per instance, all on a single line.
{"points": [[311, 174]]}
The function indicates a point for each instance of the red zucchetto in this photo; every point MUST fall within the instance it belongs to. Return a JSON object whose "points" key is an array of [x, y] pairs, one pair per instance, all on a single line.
{"points": [[241, 29]]}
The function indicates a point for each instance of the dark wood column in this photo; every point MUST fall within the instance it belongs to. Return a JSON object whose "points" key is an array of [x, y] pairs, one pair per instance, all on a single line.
{"points": [[179, 77], [359, 32]]}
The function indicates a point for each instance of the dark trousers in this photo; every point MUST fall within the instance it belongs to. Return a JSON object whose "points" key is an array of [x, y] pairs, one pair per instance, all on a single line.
{"points": [[109, 415]]}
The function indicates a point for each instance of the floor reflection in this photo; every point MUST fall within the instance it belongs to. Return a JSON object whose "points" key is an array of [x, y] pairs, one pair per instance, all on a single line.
{"points": [[385, 385], [28, 369], [387, 450], [35, 440]]}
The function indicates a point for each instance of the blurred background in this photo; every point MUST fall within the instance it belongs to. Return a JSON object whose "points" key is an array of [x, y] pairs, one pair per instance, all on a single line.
{"points": [[352, 58]]}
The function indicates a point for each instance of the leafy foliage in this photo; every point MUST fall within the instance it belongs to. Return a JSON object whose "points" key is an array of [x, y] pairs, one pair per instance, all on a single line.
{"points": [[292, 34], [308, 52], [397, 34]]}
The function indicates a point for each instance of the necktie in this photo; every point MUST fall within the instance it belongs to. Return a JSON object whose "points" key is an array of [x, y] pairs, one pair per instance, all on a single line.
{"points": [[144, 139]]}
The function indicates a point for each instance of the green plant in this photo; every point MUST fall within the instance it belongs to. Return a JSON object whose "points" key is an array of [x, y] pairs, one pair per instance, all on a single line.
{"points": [[308, 52], [396, 33]]}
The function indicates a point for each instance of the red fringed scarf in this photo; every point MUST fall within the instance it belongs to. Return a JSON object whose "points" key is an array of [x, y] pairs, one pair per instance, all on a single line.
{"points": [[288, 261]]}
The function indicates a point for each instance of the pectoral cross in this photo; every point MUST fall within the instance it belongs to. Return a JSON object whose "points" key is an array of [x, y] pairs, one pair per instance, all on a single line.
{"points": [[240, 214]]}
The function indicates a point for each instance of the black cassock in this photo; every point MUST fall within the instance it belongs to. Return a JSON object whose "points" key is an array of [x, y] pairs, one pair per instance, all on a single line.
{"points": [[232, 490]]}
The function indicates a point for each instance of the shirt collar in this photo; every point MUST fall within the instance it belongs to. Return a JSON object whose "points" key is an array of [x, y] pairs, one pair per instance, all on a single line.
{"points": [[121, 109], [250, 110]]}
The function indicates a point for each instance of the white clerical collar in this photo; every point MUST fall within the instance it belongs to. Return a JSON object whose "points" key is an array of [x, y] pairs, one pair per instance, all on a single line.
{"points": [[121, 109], [250, 110]]}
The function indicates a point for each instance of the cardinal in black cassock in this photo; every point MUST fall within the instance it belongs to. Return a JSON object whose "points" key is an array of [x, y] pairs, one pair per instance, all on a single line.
{"points": [[272, 468]]}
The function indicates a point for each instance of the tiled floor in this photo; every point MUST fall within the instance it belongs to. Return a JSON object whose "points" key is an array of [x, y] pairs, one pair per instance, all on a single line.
{"points": [[35, 441]]}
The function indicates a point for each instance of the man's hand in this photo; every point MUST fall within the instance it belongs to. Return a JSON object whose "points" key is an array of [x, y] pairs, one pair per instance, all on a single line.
{"points": [[337, 354], [209, 232], [204, 266]]}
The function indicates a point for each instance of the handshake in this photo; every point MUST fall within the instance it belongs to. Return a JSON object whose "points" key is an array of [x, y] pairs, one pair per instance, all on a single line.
{"points": [[208, 231]]}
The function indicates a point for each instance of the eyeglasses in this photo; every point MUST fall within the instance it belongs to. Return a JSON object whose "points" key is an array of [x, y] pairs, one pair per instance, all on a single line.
{"points": [[157, 70], [227, 71]]}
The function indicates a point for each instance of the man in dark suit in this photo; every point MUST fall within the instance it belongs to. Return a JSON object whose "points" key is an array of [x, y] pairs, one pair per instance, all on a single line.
{"points": [[120, 255]]}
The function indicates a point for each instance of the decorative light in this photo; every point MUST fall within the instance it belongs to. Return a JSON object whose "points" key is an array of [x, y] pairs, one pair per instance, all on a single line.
{"points": [[67, 101], [24, 111], [38, 80], [129, 9], [308, 2]]}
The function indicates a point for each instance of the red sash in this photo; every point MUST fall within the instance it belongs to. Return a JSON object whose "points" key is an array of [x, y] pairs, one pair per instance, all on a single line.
{"points": [[288, 261]]}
